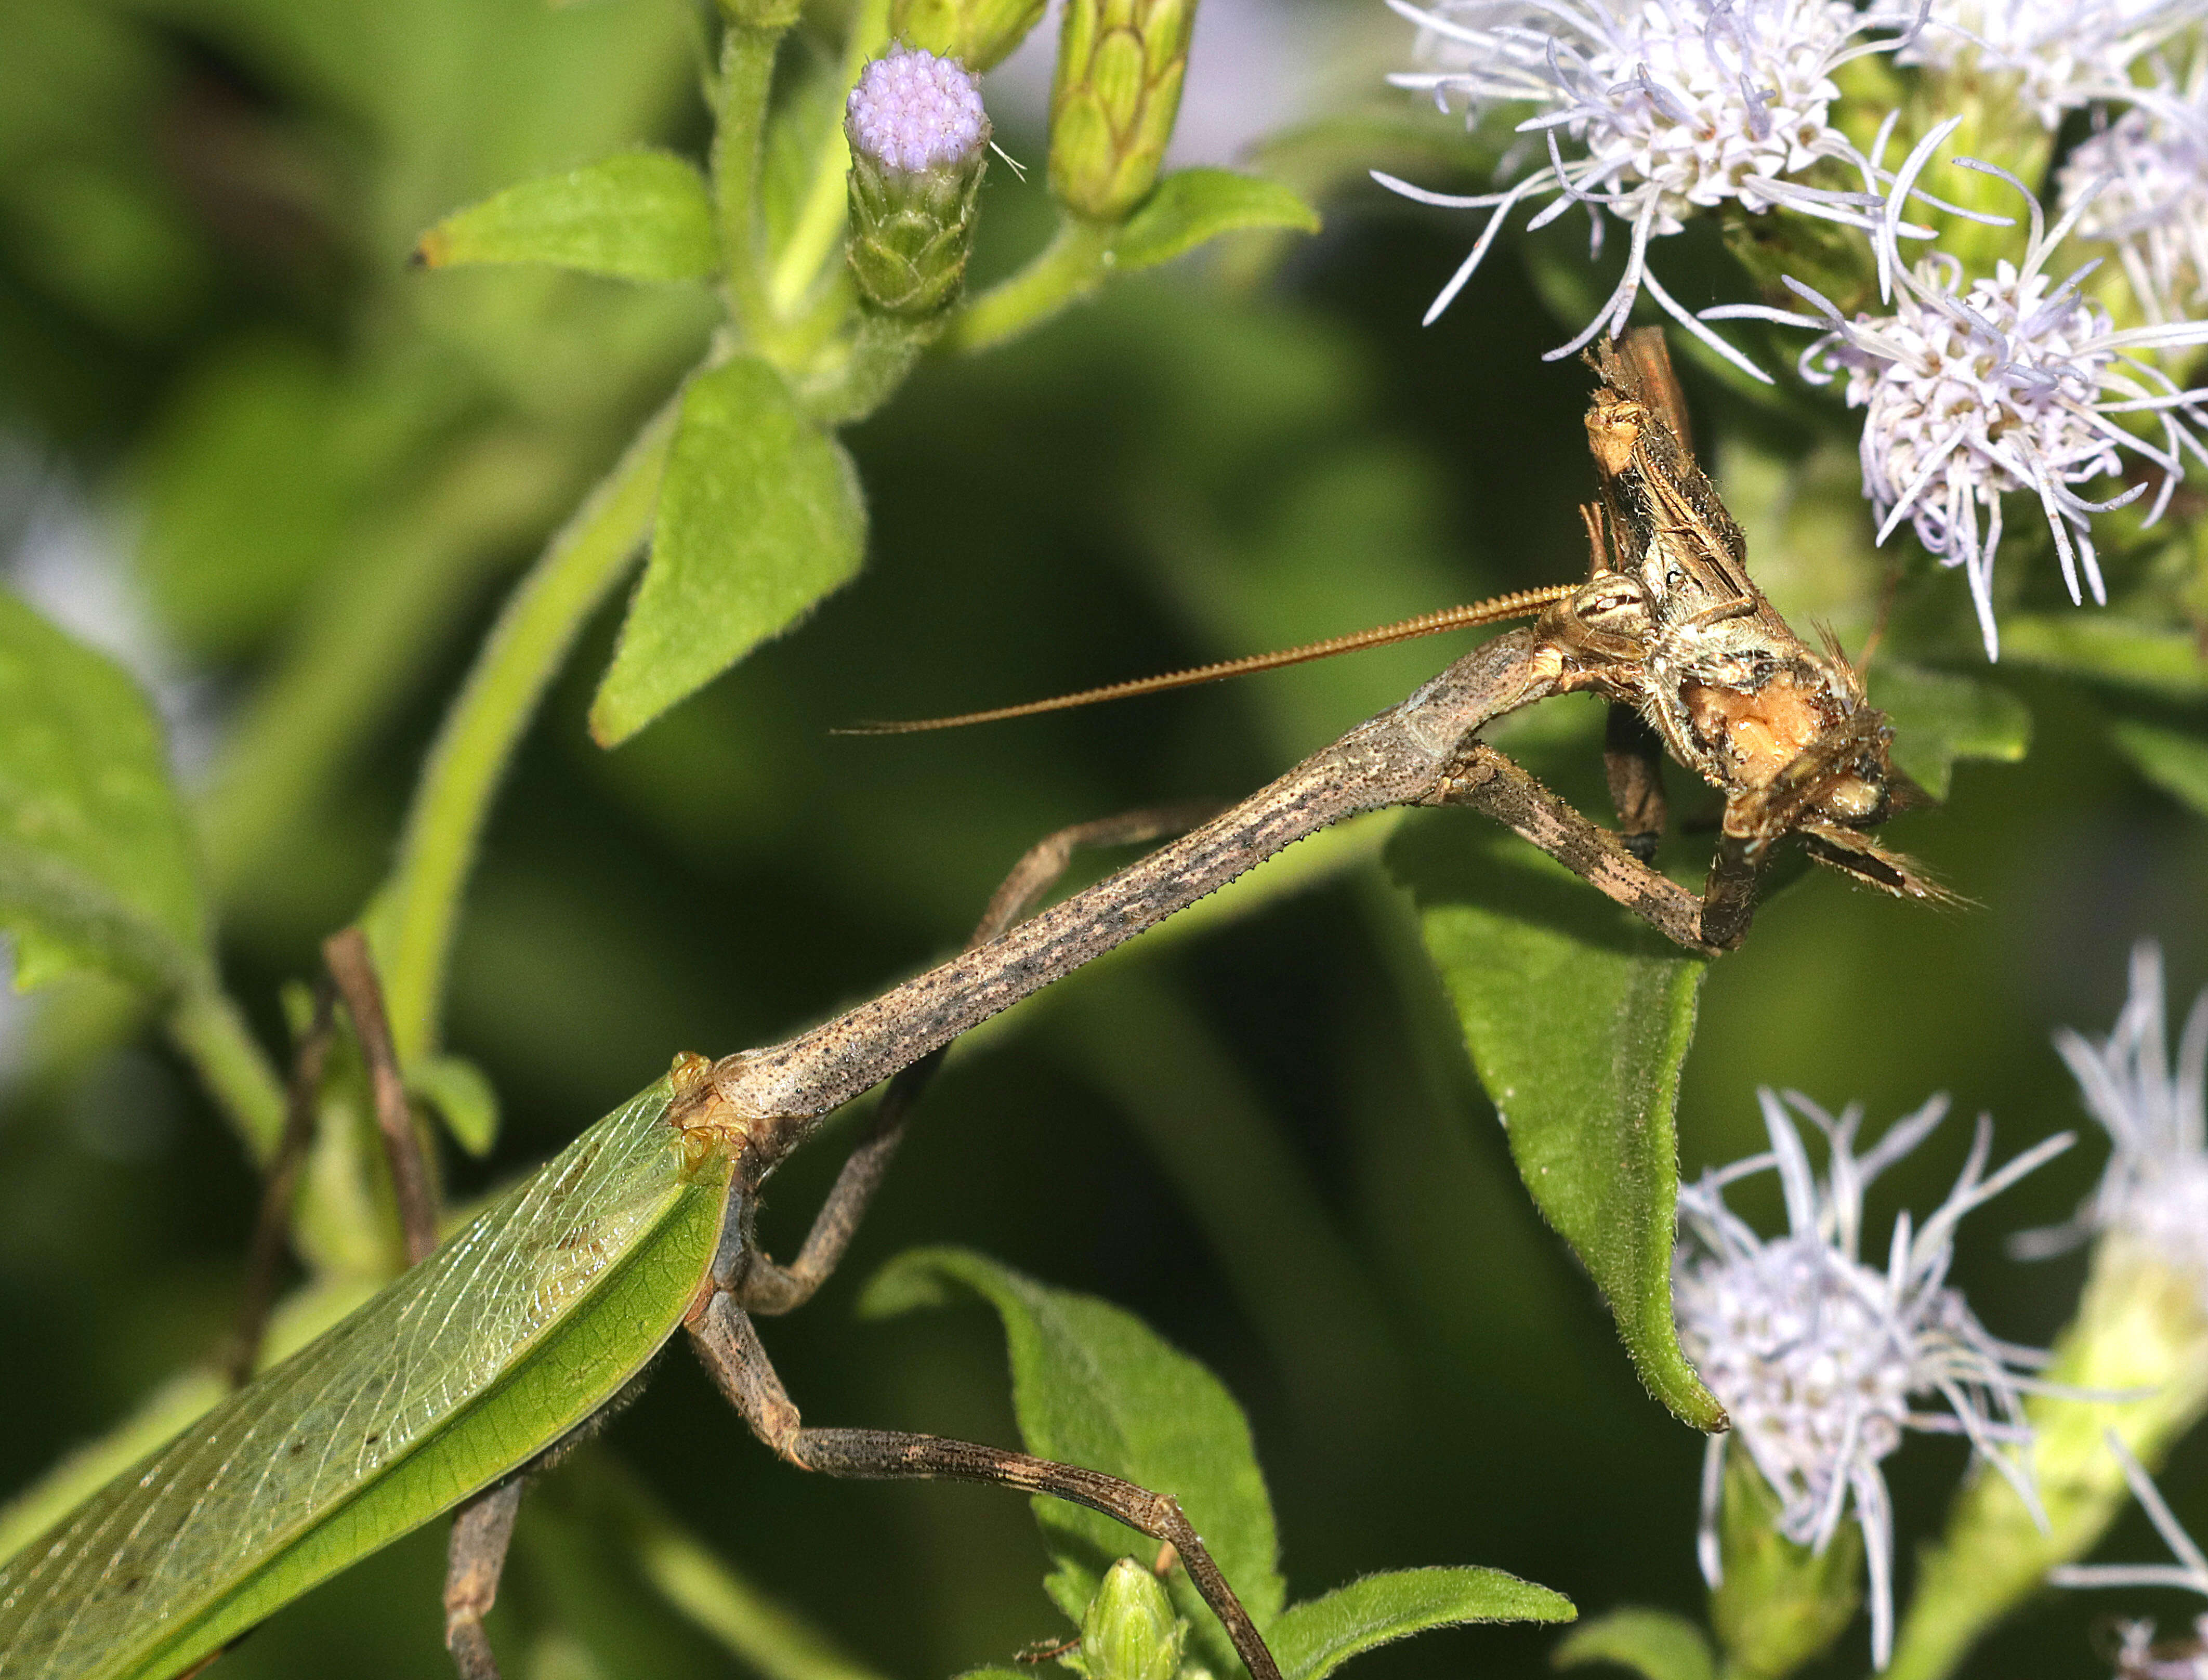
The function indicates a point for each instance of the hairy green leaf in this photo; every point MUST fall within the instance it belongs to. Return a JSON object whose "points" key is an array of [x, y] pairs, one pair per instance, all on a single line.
{"points": [[98, 864], [759, 516], [637, 216], [1093, 1385], [2096, 644], [1655, 1644], [2174, 760], [1314, 1639], [1578, 1015], [1191, 206], [1940, 716]]}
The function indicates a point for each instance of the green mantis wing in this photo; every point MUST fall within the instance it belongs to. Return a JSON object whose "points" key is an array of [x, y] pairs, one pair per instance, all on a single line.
{"points": [[510, 1336]]}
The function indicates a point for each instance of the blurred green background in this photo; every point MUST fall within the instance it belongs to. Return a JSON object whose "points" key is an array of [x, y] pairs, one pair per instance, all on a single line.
{"points": [[226, 398]]}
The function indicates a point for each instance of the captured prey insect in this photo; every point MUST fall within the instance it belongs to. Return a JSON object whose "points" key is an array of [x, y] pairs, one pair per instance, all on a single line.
{"points": [[447, 1387], [1669, 627]]}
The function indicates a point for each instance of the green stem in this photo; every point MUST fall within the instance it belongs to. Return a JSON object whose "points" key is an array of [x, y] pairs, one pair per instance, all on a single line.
{"points": [[1071, 267], [819, 222], [206, 1027], [413, 916], [747, 54], [882, 354]]}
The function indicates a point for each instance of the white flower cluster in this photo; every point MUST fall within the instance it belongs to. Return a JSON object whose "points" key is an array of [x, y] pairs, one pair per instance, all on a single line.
{"points": [[1819, 1357], [2068, 53], [1979, 386], [2143, 180], [1670, 106], [2154, 1188]]}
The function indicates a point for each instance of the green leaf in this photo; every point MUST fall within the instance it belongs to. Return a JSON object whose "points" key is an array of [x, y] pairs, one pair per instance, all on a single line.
{"points": [[1314, 1639], [1093, 1385], [463, 1097], [637, 216], [759, 516], [98, 866], [1940, 716], [2097, 644], [1191, 206], [1653, 1643], [1578, 1015], [2174, 761]]}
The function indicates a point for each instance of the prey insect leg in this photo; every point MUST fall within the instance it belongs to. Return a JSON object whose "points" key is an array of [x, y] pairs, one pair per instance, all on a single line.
{"points": [[763, 1286], [1633, 764], [729, 1345]]}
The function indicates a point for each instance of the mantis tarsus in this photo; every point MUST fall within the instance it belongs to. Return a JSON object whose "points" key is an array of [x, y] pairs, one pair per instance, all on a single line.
{"points": [[526, 1324]]}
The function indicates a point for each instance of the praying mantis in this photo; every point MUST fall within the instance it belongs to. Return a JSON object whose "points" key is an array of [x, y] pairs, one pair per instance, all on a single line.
{"points": [[487, 1357]]}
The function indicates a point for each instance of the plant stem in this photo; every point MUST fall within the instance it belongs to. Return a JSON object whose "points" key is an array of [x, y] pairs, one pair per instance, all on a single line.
{"points": [[1072, 266], [747, 54], [206, 1027], [812, 239], [882, 354], [411, 920]]}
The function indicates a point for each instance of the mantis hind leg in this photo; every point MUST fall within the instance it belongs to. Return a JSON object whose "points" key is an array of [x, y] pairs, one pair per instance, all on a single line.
{"points": [[763, 1286], [729, 1345], [482, 1532]]}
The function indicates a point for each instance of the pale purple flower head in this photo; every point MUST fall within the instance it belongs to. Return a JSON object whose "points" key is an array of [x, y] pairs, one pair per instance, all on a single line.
{"points": [[2065, 53], [2144, 178], [1819, 1357], [912, 111]]}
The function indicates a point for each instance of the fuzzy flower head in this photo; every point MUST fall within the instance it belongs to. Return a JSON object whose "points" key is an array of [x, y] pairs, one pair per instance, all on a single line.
{"points": [[2067, 53], [1668, 107], [913, 111], [1820, 1358], [1976, 387], [2143, 181], [2138, 1656], [2154, 1189]]}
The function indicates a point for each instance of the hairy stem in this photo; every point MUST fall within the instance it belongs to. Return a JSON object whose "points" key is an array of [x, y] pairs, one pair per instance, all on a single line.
{"points": [[412, 921], [747, 54], [1071, 267]]}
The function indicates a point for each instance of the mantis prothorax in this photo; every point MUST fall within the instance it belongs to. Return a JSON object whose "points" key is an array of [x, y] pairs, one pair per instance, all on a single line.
{"points": [[528, 1322]]}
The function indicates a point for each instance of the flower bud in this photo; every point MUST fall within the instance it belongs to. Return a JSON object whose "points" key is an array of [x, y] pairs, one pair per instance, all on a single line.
{"points": [[1780, 1603], [920, 141], [1112, 106], [979, 33], [1131, 1632]]}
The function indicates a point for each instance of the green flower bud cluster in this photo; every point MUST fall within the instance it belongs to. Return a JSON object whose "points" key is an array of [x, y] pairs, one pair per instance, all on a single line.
{"points": [[920, 143], [1131, 1631], [1119, 67], [979, 33]]}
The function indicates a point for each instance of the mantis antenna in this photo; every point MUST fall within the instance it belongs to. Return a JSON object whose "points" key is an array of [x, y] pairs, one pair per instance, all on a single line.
{"points": [[1525, 603]]}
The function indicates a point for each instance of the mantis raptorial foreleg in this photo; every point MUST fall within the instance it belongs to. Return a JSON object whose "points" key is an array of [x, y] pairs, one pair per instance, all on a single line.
{"points": [[766, 1287], [1484, 779], [729, 1347]]}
